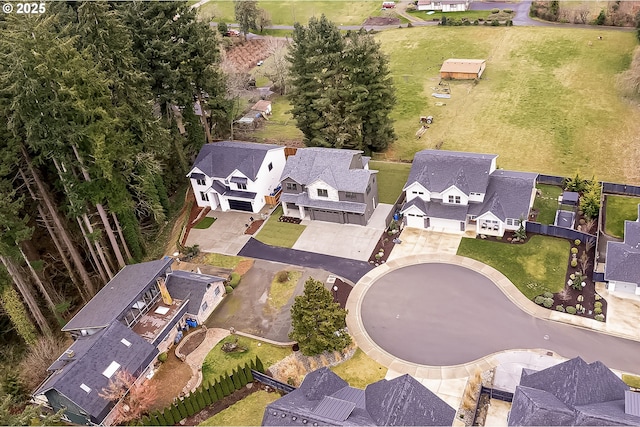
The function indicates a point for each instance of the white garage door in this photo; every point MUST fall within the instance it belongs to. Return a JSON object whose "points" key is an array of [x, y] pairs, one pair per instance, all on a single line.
{"points": [[415, 220], [447, 224]]}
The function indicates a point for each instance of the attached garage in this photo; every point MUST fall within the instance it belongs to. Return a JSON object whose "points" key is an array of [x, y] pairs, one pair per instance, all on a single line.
{"points": [[448, 224], [415, 220], [326, 215], [354, 218], [240, 205]]}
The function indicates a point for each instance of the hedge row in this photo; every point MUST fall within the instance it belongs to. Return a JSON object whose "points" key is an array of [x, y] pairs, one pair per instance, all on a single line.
{"points": [[203, 396]]}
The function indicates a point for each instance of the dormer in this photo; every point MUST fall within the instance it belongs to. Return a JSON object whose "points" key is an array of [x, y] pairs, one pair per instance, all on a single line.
{"points": [[320, 190], [454, 196]]}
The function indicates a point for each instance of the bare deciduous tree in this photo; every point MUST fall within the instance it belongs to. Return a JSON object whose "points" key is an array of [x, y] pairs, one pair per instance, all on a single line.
{"points": [[33, 368], [132, 399], [581, 14], [237, 89], [277, 69]]}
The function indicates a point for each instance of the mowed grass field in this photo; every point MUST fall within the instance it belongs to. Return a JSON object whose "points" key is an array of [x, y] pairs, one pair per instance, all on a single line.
{"points": [[289, 12], [547, 101]]}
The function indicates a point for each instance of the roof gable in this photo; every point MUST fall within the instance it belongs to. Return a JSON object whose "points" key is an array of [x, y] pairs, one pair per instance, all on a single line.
{"points": [[623, 258], [508, 194], [333, 166], [117, 295], [220, 159], [192, 286]]}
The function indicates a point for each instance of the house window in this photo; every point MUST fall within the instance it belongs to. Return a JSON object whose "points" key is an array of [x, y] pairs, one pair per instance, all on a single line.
{"points": [[204, 196], [511, 221], [111, 369], [85, 387], [204, 306], [349, 195], [216, 291], [454, 199], [292, 186], [125, 342], [242, 186], [201, 182], [474, 194], [322, 192], [270, 166]]}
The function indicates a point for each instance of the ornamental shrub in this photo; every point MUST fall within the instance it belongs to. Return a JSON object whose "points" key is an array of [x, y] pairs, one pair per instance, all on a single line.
{"points": [[162, 357], [189, 405], [206, 395], [247, 373], [160, 418], [200, 400], [229, 289], [175, 413], [259, 365], [574, 263], [597, 304], [548, 302], [574, 251], [577, 242], [495, 10], [219, 393], [282, 276], [168, 416], [571, 310], [599, 317], [597, 310], [539, 299], [235, 280], [225, 386], [548, 294], [598, 297], [560, 308], [235, 377], [182, 408]]}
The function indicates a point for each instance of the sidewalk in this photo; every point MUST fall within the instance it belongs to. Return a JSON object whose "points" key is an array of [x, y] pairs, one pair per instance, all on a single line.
{"points": [[196, 358]]}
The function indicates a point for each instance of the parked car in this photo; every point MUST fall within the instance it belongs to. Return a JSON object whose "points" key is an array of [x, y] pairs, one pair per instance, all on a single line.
{"points": [[233, 33]]}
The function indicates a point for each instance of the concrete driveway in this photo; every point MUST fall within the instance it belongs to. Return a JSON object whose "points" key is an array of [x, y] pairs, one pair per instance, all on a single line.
{"points": [[226, 235], [344, 240], [416, 241]]}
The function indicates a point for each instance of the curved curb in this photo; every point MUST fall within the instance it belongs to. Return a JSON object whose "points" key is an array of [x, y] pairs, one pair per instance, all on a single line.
{"points": [[364, 341]]}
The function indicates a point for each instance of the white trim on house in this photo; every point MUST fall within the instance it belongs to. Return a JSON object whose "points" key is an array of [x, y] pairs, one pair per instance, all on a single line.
{"points": [[489, 224], [454, 196], [417, 190]]}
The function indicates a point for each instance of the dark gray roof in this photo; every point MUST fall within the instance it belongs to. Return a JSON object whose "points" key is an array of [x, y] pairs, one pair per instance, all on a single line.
{"points": [[325, 398], [437, 170], [436, 209], [220, 159], [117, 295], [225, 190], [93, 354], [338, 168], [565, 219], [570, 197], [303, 199], [623, 258], [589, 391], [403, 401], [185, 285], [508, 194]]}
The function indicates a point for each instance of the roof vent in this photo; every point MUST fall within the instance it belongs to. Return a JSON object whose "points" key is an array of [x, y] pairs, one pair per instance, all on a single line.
{"points": [[70, 354]]}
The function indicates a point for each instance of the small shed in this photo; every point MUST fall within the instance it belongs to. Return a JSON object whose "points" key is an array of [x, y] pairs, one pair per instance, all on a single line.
{"points": [[570, 198], [462, 69], [262, 106]]}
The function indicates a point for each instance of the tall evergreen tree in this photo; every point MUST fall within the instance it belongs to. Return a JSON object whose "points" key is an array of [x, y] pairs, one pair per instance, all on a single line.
{"points": [[319, 323], [341, 88]]}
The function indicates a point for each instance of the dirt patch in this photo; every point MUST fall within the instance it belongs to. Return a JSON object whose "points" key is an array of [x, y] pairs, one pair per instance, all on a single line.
{"points": [[172, 376], [254, 226], [243, 267], [381, 21]]}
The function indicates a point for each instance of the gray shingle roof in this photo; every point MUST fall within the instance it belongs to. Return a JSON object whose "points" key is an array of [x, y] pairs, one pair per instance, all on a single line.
{"points": [[590, 391], [402, 401], [220, 159], [185, 285], [333, 166], [117, 295], [623, 258], [508, 194], [93, 354], [303, 199], [437, 170]]}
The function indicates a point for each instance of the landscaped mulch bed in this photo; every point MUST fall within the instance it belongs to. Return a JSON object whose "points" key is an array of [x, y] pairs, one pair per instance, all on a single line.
{"points": [[193, 341], [509, 237], [289, 219], [342, 294], [254, 226], [386, 244]]}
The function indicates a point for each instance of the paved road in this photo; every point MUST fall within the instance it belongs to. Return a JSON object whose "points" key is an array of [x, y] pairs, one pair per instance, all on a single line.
{"points": [[443, 315], [349, 269]]}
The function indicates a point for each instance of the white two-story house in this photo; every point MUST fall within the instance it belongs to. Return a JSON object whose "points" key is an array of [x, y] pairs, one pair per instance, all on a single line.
{"points": [[453, 191], [236, 175]]}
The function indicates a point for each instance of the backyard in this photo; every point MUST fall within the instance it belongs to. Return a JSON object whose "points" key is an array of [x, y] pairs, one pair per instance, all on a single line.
{"points": [[391, 179], [246, 412], [218, 362], [278, 233], [360, 370], [547, 203], [535, 267], [619, 210], [281, 127]]}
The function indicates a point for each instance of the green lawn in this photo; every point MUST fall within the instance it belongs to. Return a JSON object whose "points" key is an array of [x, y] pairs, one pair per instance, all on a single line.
{"points": [[619, 209], [289, 12], [547, 101], [631, 380], [247, 412], [277, 233], [218, 362], [281, 293], [281, 126], [547, 203], [360, 370], [535, 267], [204, 223], [223, 261], [391, 179]]}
